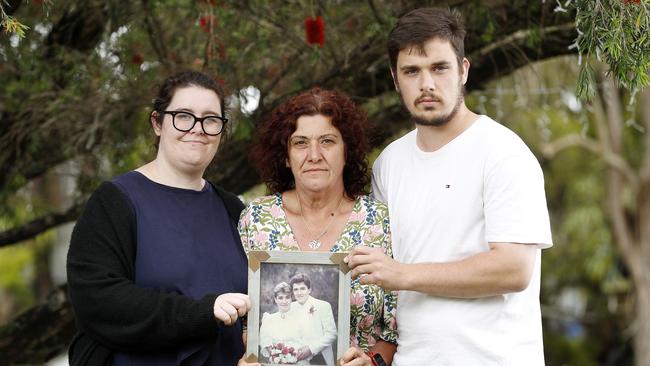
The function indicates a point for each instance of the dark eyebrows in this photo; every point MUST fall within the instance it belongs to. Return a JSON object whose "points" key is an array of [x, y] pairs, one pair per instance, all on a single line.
{"points": [[441, 63], [184, 110], [300, 137], [190, 111], [417, 67], [409, 68]]}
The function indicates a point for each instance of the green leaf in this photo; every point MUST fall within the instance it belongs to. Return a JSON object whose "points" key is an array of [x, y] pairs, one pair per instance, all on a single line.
{"points": [[585, 88]]}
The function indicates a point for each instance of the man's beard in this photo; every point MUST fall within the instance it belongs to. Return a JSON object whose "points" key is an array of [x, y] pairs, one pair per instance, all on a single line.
{"points": [[441, 120]]}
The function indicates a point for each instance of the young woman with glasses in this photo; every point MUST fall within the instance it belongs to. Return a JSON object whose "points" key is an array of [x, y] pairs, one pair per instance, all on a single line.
{"points": [[156, 270]]}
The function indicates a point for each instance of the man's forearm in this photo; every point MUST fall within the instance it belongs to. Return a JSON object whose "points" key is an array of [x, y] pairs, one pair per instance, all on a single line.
{"points": [[506, 268]]}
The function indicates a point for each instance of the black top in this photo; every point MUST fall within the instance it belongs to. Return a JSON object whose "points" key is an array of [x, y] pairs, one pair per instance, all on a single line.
{"points": [[121, 307]]}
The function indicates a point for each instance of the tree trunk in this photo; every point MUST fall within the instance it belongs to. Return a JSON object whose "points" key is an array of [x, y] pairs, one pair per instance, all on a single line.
{"points": [[40, 333], [642, 278], [642, 322]]}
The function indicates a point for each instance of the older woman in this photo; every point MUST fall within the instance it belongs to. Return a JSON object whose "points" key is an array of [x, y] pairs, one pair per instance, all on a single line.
{"points": [[311, 153], [156, 271]]}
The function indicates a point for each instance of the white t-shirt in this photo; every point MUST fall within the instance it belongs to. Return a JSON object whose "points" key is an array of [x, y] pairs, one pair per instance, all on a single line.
{"points": [[483, 186]]}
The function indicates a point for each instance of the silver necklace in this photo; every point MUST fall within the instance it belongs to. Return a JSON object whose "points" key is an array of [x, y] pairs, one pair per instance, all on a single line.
{"points": [[316, 243]]}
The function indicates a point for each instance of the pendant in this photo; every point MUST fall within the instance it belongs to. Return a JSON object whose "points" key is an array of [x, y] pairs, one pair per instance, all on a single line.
{"points": [[314, 244]]}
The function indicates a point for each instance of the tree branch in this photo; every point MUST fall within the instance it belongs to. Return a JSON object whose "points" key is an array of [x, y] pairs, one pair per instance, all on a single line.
{"points": [[518, 37], [10, 6], [40, 333], [612, 159], [266, 20], [39, 225], [488, 61], [620, 168], [155, 34], [375, 13], [645, 116], [359, 56], [614, 112], [626, 236]]}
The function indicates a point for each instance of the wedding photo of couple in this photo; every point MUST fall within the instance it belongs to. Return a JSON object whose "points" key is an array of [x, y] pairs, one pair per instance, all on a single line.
{"points": [[302, 330]]}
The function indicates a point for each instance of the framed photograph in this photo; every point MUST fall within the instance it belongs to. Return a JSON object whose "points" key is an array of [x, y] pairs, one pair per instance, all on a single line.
{"points": [[300, 307]]}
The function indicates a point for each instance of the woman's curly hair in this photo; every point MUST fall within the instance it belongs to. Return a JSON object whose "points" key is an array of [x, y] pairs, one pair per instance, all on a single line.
{"points": [[270, 149]]}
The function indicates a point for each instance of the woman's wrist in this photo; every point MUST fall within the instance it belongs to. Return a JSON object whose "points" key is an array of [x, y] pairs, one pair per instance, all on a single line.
{"points": [[376, 359]]}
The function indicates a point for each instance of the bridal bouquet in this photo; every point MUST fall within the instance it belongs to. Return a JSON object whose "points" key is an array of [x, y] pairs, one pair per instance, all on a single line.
{"points": [[280, 353]]}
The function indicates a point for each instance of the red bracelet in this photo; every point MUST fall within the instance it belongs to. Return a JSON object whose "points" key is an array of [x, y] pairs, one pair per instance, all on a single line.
{"points": [[376, 359]]}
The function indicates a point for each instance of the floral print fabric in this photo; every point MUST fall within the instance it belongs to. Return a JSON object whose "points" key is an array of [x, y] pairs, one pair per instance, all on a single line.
{"points": [[264, 226]]}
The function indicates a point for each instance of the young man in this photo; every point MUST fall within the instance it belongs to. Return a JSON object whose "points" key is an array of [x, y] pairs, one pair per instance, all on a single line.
{"points": [[319, 325], [468, 214]]}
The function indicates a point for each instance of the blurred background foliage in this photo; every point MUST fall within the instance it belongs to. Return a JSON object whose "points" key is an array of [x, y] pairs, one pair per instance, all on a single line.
{"points": [[76, 89]]}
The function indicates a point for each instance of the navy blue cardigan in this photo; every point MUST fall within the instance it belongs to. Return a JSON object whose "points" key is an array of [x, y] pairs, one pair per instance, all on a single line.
{"points": [[108, 222]]}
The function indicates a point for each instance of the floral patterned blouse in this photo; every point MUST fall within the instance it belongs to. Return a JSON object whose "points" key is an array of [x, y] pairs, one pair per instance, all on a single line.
{"points": [[264, 226]]}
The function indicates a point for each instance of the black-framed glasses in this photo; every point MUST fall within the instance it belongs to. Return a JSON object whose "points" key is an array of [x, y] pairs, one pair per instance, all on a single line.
{"points": [[185, 121]]}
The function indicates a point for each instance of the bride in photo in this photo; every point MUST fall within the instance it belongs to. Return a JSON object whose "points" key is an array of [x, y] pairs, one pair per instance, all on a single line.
{"points": [[281, 332]]}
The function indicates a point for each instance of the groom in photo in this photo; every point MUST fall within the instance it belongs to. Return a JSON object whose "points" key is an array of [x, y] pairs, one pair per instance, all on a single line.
{"points": [[320, 327]]}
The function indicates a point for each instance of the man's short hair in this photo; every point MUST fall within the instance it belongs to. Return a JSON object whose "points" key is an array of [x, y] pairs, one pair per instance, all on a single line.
{"points": [[419, 26], [300, 277]]}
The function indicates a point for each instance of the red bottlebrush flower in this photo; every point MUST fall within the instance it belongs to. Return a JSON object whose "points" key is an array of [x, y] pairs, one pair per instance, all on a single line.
{"points": [[208, 2], [137, 58], [628, 2], [315, 30], [206, 21]]}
